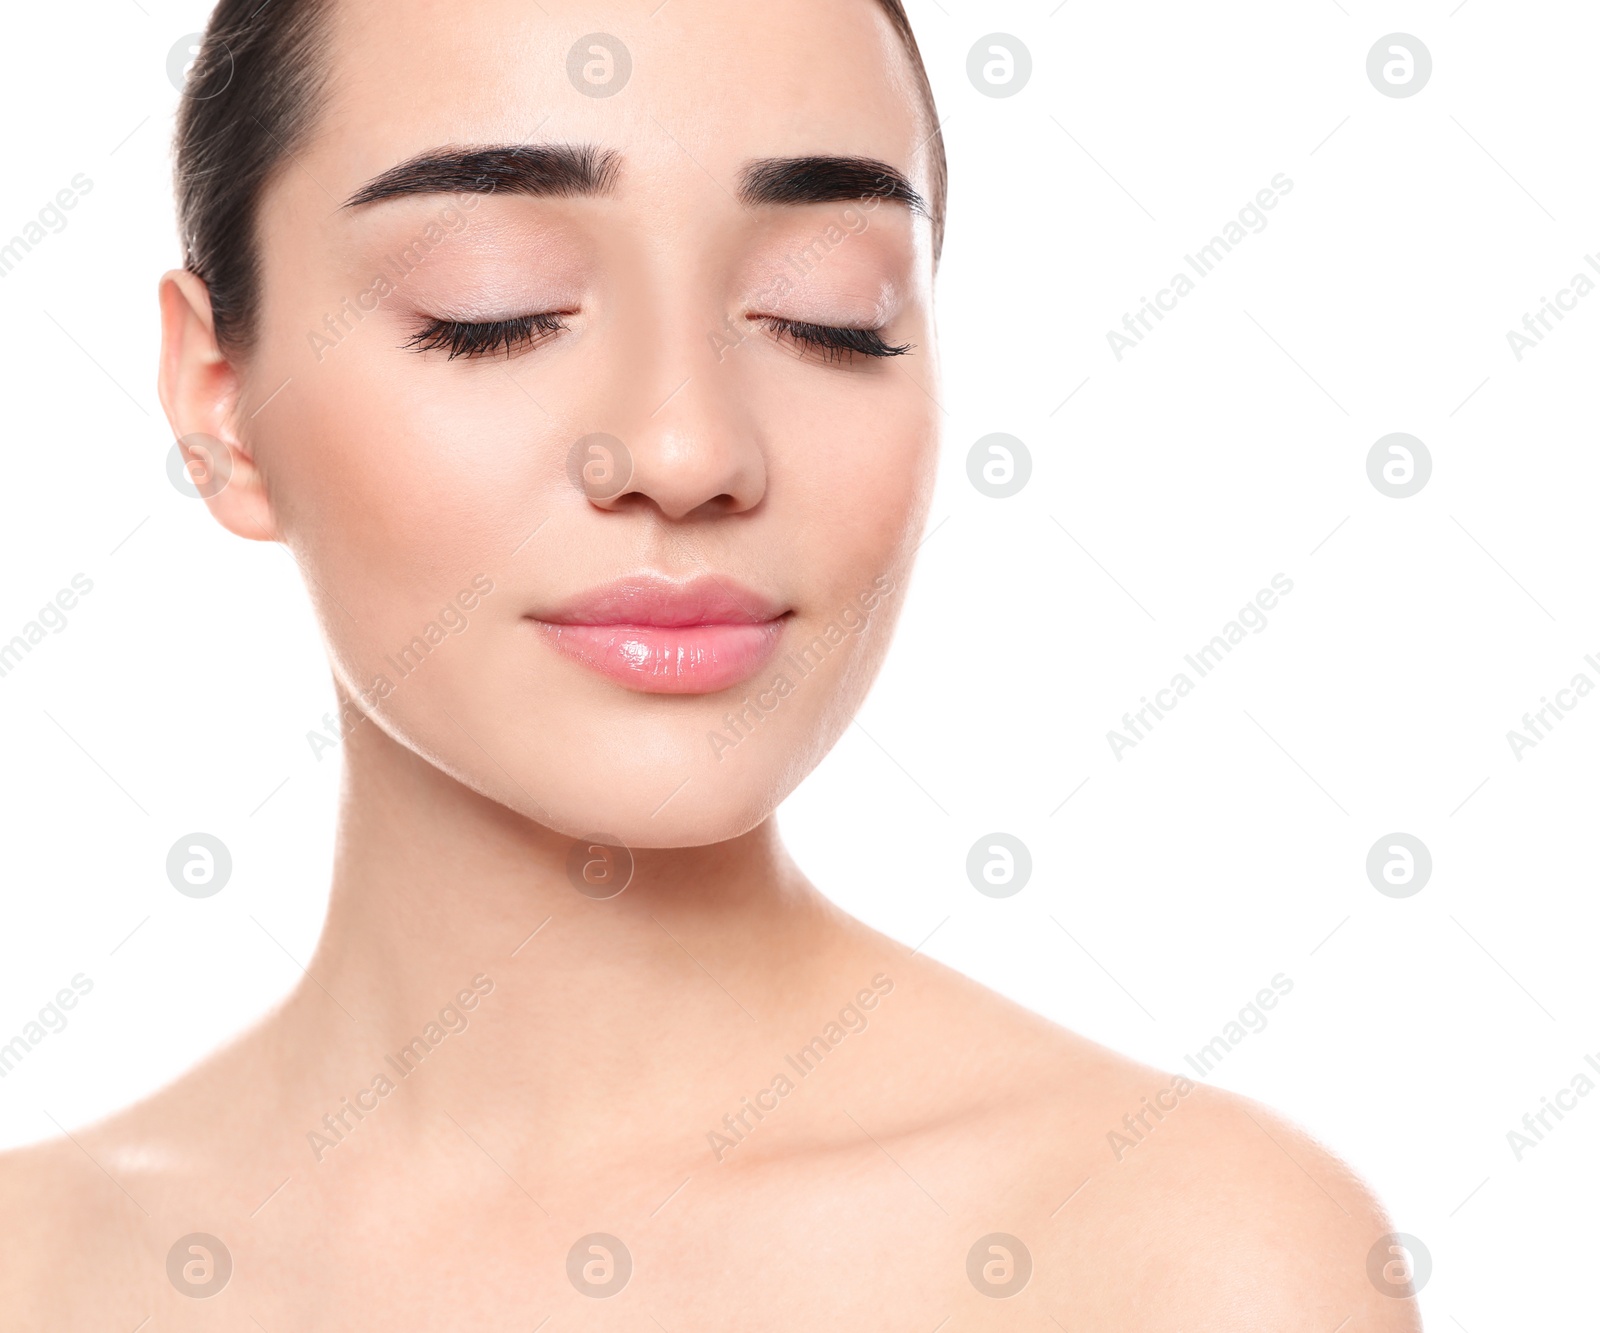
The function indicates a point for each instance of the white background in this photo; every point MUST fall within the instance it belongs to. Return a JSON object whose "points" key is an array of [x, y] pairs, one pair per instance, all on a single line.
{"points": [[1174, 484]]}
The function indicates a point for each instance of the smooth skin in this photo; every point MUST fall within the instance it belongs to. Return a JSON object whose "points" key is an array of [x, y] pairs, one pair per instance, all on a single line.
{"points": [[607, 1040]]}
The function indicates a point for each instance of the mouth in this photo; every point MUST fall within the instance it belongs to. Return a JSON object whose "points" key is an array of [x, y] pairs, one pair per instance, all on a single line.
{"points": [[660, 636]]}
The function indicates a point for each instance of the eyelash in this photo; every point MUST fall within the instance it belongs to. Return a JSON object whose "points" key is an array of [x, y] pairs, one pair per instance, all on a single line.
{"points": [[487, 338], [835, 345]]}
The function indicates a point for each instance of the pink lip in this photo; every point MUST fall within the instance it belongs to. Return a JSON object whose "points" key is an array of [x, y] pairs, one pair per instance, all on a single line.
{"points": [[652, 634]]}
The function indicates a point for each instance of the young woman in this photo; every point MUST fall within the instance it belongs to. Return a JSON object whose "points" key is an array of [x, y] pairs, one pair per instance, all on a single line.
{"points": [[583, 356]]}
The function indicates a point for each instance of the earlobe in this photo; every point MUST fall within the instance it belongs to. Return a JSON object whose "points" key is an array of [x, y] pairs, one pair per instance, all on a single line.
{"points": [[200, 389]]}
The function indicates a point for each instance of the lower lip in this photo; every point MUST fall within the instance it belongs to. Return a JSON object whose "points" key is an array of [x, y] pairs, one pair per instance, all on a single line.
{"points": [[676, 659]]}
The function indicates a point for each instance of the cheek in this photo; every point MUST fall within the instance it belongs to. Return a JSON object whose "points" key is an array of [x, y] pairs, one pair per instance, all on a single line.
{"points": [[403, 476], [858, 480], [396, 491], [853, 488]]}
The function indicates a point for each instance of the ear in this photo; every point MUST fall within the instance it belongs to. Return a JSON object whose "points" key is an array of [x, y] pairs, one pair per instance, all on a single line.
{"points": [[200, 392]]}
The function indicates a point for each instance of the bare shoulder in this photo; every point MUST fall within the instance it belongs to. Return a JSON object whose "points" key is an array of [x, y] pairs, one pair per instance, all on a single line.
{"points": [[1225, 1215], [1149, 1199], [90, 1216], [65, 1231]]}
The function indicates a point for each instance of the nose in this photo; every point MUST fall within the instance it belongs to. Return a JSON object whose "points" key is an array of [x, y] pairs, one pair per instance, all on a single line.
{"points": [[696, 455]]}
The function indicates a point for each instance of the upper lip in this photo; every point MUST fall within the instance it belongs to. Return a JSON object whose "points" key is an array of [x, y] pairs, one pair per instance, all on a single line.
{"points": [[653, 599]]}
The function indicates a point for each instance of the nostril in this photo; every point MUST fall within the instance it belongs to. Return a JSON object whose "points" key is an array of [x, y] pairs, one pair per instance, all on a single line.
{"points": [[716, 506]]}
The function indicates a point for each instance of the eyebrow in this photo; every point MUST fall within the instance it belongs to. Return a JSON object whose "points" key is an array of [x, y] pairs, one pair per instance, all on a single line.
{"points": [[826, 180], [572, 170], [553, 170]]}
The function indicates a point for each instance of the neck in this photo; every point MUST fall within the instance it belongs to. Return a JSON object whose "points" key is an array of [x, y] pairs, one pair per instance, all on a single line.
{"points": [[587, 1016]]}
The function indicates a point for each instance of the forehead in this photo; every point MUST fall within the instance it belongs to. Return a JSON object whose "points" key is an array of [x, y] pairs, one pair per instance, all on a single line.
{"points": [[703, 84]]}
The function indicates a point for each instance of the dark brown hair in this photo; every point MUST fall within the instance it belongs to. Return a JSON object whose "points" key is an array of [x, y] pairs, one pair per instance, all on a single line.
{"points": [[249, 103]]}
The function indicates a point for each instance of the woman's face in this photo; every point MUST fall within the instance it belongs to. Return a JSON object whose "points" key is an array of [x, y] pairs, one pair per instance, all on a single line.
{"points": [[633, 569]]}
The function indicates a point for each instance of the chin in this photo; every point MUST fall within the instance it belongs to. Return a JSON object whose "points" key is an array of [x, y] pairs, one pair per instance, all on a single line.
{"points": [[638, 779], [710, 818], [665, 789]]}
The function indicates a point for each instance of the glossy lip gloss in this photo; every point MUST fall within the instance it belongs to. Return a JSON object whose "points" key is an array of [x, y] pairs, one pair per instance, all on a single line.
{"points": [[659, 636]]}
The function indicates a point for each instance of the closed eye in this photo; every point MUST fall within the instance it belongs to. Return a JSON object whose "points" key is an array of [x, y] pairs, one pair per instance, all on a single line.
{"points": [[833, 343], [489, 337], [484, 338]]}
